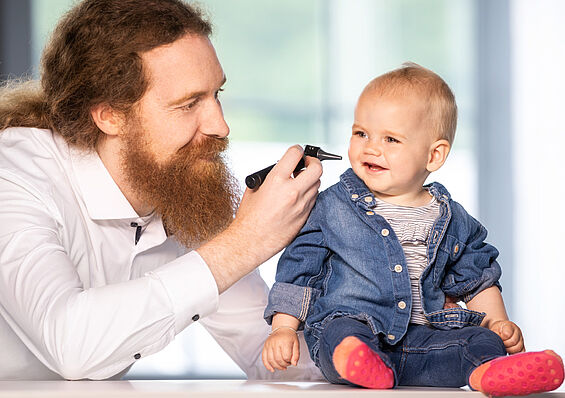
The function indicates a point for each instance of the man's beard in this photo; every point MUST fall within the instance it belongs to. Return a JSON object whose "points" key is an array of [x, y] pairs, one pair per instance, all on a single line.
{"points": [[193, 191]]}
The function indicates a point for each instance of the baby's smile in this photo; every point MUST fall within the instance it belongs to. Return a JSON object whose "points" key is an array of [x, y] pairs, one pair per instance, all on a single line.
{"points": [[374, 166]]}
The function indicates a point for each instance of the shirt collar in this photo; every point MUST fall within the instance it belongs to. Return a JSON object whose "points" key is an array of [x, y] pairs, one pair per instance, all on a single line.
{"points": [[355, 186], [101, 195]]}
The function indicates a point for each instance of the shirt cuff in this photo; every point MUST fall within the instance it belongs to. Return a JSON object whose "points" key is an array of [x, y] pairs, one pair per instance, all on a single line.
{"points": [[191, 288]]}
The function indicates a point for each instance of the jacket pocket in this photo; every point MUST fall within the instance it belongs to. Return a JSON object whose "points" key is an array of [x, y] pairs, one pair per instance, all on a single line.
{"points": [[453, 247]]}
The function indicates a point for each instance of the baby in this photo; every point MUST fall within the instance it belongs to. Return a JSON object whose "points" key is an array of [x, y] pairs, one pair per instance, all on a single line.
{"points": [[374, 275]]}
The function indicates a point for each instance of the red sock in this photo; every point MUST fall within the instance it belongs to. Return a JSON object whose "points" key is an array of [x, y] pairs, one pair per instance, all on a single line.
{"points": [[358, 364], [519, 374]]}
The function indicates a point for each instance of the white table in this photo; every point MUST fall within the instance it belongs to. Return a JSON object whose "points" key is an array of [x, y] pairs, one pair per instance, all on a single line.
{"points": [[217, 388]]}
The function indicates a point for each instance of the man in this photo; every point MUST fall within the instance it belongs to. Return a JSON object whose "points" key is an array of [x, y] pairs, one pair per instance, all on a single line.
{"points": [[116, 225]]}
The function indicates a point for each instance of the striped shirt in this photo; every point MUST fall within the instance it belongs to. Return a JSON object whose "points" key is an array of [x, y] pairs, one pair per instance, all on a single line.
{"points": [[412, 226]]}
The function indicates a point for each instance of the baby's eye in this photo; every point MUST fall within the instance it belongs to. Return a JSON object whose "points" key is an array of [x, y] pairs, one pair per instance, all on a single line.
{"points": [[391, 140], [361, 134]]}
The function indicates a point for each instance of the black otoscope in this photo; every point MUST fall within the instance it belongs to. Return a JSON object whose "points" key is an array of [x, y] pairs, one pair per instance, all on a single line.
{"points": [[256, 179]]}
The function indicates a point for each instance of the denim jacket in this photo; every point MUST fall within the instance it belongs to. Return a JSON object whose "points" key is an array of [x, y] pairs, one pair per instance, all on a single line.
{"points": [[347, 261]]}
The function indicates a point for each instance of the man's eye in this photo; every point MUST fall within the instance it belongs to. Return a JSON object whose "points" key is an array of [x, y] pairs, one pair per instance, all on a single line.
{"points": [[391, 140], [190, 105], [361, 134]]}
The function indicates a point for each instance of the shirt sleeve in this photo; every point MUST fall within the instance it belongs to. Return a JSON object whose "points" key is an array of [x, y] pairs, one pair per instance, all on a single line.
{"points": [[95, 332], [239, 328]]}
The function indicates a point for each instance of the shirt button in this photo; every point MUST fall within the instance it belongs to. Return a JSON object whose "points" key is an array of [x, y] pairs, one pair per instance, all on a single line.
{"points": [[384, 232], [137, 356], [354, 196], [370, 213], [390, 337], [398, 268], [196, 317], [401, 305], [368, 199]]}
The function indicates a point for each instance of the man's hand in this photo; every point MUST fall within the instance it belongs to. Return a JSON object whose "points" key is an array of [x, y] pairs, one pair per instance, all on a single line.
{"points": [[267, 220], [510, 334], [281, 349]]}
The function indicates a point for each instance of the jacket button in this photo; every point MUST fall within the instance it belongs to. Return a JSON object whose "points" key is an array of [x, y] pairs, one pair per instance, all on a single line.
{"points": [[368, 199], [401, 305], [137, 356], [354, 196], [196, 317], [398, 268], [369, 213], [390, 337], [384, 232]]}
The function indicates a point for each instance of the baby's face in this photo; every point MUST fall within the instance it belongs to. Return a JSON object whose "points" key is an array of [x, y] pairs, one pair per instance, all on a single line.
{"points": [[390, 144]]}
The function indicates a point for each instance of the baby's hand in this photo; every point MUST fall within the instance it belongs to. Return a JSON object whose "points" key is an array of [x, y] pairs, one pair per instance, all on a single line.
{"points": [[281, 349], [510, 334], [450, 302]]}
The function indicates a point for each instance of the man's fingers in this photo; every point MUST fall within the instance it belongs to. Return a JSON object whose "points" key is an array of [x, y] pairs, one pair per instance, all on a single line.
{"points": [[313, 171], [286, 165]]}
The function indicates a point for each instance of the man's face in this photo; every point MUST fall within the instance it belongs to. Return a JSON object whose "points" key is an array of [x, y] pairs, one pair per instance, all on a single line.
{"points": [[173, 140], [181, 103]]}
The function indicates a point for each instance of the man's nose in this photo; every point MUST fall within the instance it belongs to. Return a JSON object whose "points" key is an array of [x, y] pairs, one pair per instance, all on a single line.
{"points": [[213, 123]]}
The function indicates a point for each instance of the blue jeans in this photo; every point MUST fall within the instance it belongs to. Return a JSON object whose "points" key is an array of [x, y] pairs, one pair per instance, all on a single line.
{"points": [[424, 357]]}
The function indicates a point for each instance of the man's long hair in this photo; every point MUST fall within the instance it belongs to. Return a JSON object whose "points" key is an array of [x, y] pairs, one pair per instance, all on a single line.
{"points": [[93, 57]]}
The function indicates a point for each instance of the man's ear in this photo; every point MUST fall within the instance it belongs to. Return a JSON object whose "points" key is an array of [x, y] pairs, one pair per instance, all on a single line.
{"points": [[107, 119], [438, 154]]}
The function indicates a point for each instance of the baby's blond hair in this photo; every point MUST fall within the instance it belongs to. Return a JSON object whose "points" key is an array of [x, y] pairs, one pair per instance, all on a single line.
{"points": [[410, 77]]}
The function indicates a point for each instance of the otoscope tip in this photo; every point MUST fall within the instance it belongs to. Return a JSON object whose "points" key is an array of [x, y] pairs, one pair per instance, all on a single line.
{"points": [[323, 155]]}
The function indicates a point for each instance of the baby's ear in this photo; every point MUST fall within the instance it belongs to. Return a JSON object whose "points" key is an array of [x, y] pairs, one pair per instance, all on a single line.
{"points": [[107, 119], [438, 154]]}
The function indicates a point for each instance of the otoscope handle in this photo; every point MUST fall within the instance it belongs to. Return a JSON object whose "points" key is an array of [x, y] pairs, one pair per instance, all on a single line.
{"points": [[256, 179]]}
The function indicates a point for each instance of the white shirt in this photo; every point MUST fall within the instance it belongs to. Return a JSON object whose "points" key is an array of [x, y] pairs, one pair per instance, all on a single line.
{"points": [[78, 298]]}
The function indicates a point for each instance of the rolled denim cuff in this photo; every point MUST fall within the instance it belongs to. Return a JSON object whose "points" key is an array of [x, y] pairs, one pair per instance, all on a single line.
{"points": [[290, 299], [468, 289]]}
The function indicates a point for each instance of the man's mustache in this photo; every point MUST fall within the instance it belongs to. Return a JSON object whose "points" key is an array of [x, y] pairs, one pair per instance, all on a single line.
{"points": [[206, 148]]}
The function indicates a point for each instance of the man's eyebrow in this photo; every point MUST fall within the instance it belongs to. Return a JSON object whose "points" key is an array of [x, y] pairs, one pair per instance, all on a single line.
{"points": [[193, 95]]}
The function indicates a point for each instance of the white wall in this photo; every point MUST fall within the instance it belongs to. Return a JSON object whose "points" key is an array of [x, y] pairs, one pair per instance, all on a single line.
{"points": [[538, 62]]}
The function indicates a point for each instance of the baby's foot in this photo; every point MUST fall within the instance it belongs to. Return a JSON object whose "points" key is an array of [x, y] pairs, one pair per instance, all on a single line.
{"points": [[358, 364], [519, 374]]}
